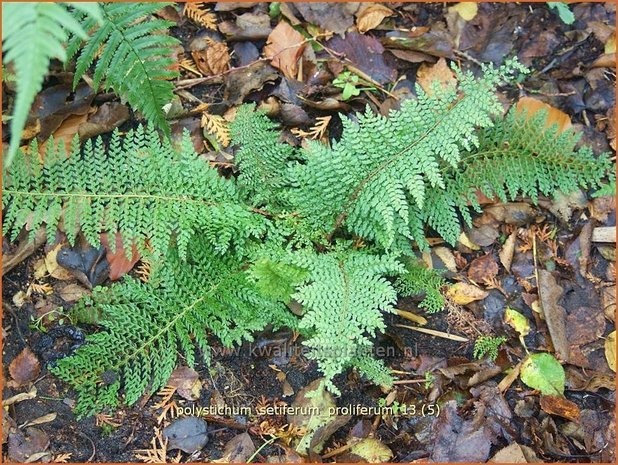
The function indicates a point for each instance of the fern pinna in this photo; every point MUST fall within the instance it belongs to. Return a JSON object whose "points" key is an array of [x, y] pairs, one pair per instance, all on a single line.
{"points": [[139, 186], [332, 228]]}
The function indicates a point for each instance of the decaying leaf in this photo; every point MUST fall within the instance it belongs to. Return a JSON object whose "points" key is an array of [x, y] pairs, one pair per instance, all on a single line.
{"points": [[53, 268], [508, 249], [372, 450], [119, 262], [238, 450], [73, 292], [25, 367], [188, 434], [519, 323], [438, 74], [212, 57], [556, 405], [187, 383], [467, 10], [555, 315], [284, 47], [610, 350], [554, 116], [371, 15], [483, 269], [464, 293]]}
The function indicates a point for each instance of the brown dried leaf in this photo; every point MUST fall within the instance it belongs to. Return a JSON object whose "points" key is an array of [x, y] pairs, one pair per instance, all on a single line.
{"points": [[212, 60], [73, 292], [610, 350], [483, 269], [284, 47], [371, 15], [119, 263], [428, 75], [555, 315], [25, 367], [556, 405], [554, 116], [23, 447], [237, 450], [187, 383], [508, 249], [53, 268]]}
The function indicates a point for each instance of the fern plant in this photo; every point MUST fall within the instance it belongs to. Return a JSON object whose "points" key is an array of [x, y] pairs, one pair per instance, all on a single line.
{"points": [[133, 54], [329, 227], [144, 325], [139, 186], [32, 34]]}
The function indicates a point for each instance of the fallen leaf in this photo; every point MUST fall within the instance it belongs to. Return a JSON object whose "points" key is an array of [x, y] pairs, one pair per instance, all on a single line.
{"points": [[518, 321], [466, 241], [31, 394], [212, 60], [509, 454], [484, 235], [119, 263], [371, 15], [72, 292], [610, 350], [556, 405], [334, 17], [247, 27], [610, 45], [237, 450], [108, 116], [188, 434], [554, 116], [464, 293], [187, 383], [608, 300], [483, 269], [372, 450], [447, 258], [41, 420], [543, 372], [25, 367], [284, 47], [24, 446], [517, 213], [467, 10], [53, 268], [550, 294], [507, 251], [439, 74]]}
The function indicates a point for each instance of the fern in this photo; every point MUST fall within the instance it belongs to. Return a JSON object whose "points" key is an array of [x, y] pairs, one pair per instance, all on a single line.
{"points": [[33, 34], [420, 280], [133, 54], [262, 160], [140, 187], [145, 324], [487, 346], [382, 167], [343, 298], [513, 158]]}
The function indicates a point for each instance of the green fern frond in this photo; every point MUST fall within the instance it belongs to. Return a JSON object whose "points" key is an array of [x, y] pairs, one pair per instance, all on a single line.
{"points": [[513, 158], [140, 187], [418, 279], [133, 54], [487, 346], [343, 298], [145, 325], [382, 167], [33, 34], [263, 161]]}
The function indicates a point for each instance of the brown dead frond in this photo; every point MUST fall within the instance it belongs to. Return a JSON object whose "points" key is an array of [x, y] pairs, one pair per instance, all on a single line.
{"points": [[158, 451], [218, 127], [197, 13], [101, 419], [463, 321], [317, 131], [61, 458], [189, 65]]}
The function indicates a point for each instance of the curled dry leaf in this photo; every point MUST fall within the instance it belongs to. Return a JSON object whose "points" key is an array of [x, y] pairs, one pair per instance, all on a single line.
{"points": [[25, 367], [464, 293], [371, 15], [213, 59], [284, 47]]}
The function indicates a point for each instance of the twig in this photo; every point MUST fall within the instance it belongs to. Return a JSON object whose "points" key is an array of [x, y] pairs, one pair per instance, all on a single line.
{"points": [[411, 316], [433, 332]]}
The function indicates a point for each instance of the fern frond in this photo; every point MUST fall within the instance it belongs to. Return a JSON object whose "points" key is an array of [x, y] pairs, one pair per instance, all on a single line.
{"points": [[417, 279], [145, 325], [32, 34], [487, 346], [140, 187], [217, 126], [196, 13], [134, 57], [344, 297], [263, 161], [382, 167], [513, 158]]}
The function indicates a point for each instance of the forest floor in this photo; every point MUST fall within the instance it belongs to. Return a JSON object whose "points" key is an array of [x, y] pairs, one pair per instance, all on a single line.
{"points": [[547, 261]]}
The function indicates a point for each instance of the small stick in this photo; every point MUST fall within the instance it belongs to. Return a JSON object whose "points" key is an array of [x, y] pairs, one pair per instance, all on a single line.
{"points": [[433, 332], [411, 316], [409, 381]]}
